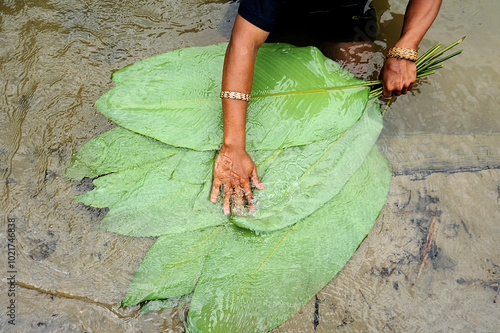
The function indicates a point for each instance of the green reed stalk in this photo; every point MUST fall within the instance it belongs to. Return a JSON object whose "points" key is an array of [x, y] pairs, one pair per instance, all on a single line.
{"points": [[426, 64]]}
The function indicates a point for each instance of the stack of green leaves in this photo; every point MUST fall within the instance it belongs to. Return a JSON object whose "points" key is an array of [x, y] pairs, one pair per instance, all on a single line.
{"points": [[311, 131]]}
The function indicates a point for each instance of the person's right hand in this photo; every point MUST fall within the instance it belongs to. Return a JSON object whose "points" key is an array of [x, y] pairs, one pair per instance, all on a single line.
{"points": [[398, 76], [234, 169]]}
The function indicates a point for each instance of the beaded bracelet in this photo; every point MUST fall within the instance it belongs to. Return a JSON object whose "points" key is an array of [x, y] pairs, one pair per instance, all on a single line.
{"points": [[402, 53], [235, 95]]}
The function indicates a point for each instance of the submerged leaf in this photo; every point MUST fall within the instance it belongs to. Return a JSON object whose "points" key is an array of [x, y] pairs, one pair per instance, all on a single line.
{"points": [[172, 266], [252, 283], [302, 179], [297, 98], [158, 198], [115, 150]]}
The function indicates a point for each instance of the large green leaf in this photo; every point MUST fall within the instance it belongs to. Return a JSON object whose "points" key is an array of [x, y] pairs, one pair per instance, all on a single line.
{"points": [[252, 283], [154, 199], [116, 150], [296, 98], [172, 266]]}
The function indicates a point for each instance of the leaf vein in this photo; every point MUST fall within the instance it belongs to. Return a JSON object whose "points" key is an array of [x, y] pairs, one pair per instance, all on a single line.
{"points": [[264, 261]]}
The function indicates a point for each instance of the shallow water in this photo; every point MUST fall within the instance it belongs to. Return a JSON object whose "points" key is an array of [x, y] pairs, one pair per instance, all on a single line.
{"points": [[442, 143]]}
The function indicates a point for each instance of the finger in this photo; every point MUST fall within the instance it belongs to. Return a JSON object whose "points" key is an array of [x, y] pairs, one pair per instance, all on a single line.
{"points": [[404, 90], [248, 192], [238, 201], [215, 190], [410, 87], [249, 197], [396, 92], [228, 191], [256, 180], [386, 92]]}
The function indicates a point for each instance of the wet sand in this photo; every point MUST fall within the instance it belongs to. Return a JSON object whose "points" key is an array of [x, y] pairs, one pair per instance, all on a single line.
{"points": [[442, 143]]}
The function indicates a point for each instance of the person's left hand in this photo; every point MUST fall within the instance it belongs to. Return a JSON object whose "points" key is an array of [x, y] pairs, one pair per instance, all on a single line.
{"points": [[398, 76]]}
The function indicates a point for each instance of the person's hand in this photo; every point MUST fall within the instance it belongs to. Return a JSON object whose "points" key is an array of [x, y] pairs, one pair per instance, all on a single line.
{"points": [[398, 76], [234, 169]]}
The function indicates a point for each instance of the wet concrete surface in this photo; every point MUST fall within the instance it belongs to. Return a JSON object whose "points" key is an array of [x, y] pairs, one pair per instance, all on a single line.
{"points": [[442, 143]]}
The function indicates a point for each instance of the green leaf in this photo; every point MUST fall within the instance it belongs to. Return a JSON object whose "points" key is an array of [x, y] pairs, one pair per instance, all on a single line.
{"points": [[116, 150], [158, 198], [252, 283], [299, 97], [172, 266], [151, 188], [295, 178]]}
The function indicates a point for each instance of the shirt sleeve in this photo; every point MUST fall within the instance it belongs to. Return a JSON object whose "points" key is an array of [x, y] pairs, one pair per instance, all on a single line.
{"points": [[261, 13]]}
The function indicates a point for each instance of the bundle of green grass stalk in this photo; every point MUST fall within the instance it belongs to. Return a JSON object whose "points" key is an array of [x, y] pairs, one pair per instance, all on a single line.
{"points": [[427, 64], [311, 129]]}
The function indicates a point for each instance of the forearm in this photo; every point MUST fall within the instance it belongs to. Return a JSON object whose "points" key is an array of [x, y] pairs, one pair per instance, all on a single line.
{"points": [[238, 76], [419, 16]]}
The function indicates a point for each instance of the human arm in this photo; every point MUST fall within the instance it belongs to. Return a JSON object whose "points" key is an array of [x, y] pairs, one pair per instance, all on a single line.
{"points": [[234, 168], [399, 75]]}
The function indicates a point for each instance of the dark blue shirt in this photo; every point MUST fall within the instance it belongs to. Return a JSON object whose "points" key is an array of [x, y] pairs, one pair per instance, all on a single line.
{"points": [[264, 13]]}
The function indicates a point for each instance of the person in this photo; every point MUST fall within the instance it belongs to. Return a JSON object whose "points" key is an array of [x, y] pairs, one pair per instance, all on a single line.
{"points": [[234, 170]]}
